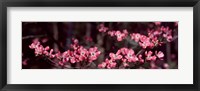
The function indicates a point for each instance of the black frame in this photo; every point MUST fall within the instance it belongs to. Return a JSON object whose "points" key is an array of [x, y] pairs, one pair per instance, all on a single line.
{"points": [[100, 3]]}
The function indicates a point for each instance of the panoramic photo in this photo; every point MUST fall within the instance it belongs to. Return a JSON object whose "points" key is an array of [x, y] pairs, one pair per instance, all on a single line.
{"points": [[100, 45]]}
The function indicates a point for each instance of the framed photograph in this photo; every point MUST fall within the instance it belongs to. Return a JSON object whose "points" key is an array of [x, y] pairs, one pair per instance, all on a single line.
{"points": [[99, 45]]}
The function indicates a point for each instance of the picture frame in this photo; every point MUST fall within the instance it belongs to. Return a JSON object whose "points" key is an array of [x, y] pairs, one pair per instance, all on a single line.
{"points": [[101, 3]]}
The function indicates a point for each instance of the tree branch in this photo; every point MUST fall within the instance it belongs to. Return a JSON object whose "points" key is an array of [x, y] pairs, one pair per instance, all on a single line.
{"points": [[33, 36]]}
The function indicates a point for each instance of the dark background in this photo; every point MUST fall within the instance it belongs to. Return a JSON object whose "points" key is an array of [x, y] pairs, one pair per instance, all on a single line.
{"points": [[58, 36]]}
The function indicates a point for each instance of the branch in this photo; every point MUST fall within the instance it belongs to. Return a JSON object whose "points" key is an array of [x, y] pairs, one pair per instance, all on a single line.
{"points": [[33, 36], [141, 51], [131, 42], [55, 64]]}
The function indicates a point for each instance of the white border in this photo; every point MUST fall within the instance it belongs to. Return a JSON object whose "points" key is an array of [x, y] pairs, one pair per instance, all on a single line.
{"points": [[183, 75]]}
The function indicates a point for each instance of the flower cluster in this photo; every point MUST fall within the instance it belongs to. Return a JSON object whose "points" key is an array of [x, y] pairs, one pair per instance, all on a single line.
{"points": [[40, 50], [154, 37], [127, 56], [77, 54], [143, 40], [149, 55], [119, 35], [141, 48]]}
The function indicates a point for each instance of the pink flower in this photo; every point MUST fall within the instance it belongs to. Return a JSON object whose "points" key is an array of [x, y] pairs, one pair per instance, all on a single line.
{"points": [[153, 65], [75, 41], [34, 45], [44, 40], [24, 62], [93, 54], [145, 42], [149, 56], [131, 56], [124, 60], [58, 55], [125, 32], [50, 54], [102, 28], [66, 53], [120, 36], [69, 56], [157, 23], [115, 56], [159, 54], [110, 63], [64, 56], [74, 46], [102, 65], [46, 48], [111, 33], [154, 33], [157, 32], [125, 64], [135, 36], [166, 66], [164, 29], [124, 50], [40, 50], [140, 58], [169, 38], [83, 53], [168, 35], [60, 63], [155, 41], [45, 52], [72, 59]]}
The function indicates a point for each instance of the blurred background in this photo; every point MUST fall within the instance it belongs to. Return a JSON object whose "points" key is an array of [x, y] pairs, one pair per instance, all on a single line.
{"points": [[58, 35]]}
